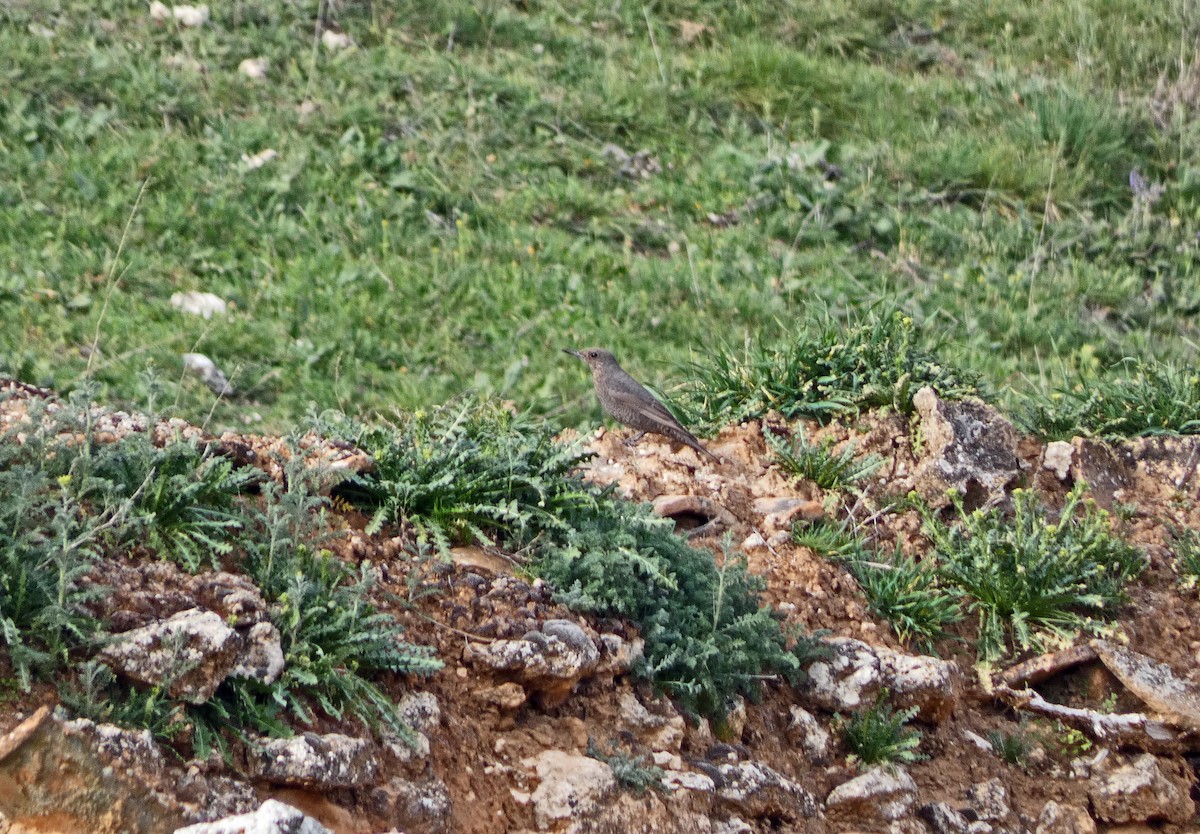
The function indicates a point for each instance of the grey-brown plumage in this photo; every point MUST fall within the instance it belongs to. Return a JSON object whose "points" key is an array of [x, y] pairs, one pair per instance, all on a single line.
{"points": [[628, 402]]}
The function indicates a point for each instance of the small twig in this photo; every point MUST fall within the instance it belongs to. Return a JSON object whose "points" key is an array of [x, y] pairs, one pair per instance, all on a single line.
{"points": [[662, 72], [109, 280], [457, 631]]}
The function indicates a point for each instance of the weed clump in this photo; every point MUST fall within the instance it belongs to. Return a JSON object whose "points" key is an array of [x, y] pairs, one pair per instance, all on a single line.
{"points": [[876, 363], [819, 464], [1029, 577]]}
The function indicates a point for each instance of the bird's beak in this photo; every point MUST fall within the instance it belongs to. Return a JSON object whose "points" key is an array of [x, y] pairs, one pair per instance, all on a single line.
{"points": [[574, 353]]}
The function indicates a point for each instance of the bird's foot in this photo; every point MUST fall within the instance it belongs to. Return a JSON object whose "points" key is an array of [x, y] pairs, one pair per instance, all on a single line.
{"points": [[632, 440]]}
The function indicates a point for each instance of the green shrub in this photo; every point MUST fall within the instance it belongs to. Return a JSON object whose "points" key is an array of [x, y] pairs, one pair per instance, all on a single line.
{"points": [[839, 370], [1187, 556], [878, 735], [475, 473], [1028, 576], [631, 771], [819, 464], [1013, 748]]}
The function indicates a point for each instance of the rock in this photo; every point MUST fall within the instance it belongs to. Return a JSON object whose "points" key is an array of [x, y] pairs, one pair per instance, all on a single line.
{"points": [[209, 373], [1057, 458], [190, 15], [84, 776], [756, 790], [335, 41], [547, 663], [256, 69], [417, 806], [235, 598], [314, 761], [856, 672], [733, 825], [506, 696], [969, 447], [420, 711], [780, 513], [1064, 819], [1141, 792], [189, 653], [674, 780], [879, 796], [814, 739], [658, 732], [618, 655], [1174, 700], [1108, 470], [694, 515], [571, 786], [261, 655], [272, 817], [943, 819], [989, 800], [204, 304]]}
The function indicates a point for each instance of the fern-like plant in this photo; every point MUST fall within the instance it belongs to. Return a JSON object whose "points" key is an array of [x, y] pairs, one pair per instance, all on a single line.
{"points": [[819, 464], [879, 735]]}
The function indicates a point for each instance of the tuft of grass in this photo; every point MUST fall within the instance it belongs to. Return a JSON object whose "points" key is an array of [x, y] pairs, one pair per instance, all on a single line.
{"points": [[876, 363], [819, 464], [911, 595], [1149, 398], [1187, 556], [1029, 576], [879, 735], [1013, 748], [631, 771], [828, 538]]}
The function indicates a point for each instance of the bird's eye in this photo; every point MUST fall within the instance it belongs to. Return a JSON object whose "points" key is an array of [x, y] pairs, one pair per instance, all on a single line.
{"points": [[592, 354]]}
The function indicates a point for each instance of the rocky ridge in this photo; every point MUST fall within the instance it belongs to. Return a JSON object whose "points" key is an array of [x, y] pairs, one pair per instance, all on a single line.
{"points": [[529, 726]]}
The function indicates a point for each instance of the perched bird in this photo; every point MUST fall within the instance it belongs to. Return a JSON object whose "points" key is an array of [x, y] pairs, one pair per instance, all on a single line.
{"points": [[628, 402]]}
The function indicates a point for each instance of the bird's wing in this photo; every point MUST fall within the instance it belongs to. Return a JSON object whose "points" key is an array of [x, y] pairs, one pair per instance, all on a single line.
{"points": [[655, 411]]}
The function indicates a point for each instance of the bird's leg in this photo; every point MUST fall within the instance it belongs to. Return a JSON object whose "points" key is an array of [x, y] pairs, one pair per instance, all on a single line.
{"points": [[635, 438]]}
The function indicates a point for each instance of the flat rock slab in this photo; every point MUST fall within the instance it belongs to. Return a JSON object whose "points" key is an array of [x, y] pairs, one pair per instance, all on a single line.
{"points": [[315, 761], [1174, 700], [272, 817], [85, 777]]}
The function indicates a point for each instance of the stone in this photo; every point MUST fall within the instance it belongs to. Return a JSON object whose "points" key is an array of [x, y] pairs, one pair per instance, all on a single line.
{"points": [[310, 760], [657, 731], [855, 673], [204, 304], [256, 69], [1174, 700], [674, 780], [548, 662], [571, 786], [209, 373], [261, 655], [1057, 818], [969, 447], [1141, 791], [506, 696], [814, 739], [618, 655], [1057, 458], [942, 819], [420, 711], [335, 41], [989, 800], [879, 796], [84, 777], [755, 790], [235, 598], [422, 805], [189, 653], [272, 817]]}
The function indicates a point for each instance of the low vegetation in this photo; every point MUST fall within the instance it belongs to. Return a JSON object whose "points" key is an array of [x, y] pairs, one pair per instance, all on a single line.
{"points": [[819, 464], [878, 735], [474, 473]]}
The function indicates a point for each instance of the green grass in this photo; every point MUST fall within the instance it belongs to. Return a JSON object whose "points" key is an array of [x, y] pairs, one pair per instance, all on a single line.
{"points": [[878, 735], [443, 219], [819, 464]]}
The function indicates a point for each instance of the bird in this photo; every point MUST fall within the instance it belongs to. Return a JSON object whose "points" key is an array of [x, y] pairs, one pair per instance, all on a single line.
{"points": [[628, 402]]}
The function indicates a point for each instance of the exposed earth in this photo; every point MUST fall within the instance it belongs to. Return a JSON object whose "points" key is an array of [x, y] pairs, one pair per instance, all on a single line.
{"points": [[524, 698]]}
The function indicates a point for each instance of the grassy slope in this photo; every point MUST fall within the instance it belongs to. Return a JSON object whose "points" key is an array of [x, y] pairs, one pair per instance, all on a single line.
{"points": [[444, 217]]}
